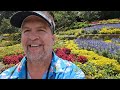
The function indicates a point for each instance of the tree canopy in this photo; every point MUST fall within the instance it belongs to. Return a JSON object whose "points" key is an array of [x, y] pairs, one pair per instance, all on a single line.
{"points": [[63, 19]]}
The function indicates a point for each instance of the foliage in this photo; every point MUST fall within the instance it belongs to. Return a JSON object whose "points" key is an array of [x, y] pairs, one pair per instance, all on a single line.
{"points": [[64, 19], [109, 31], [116, 20], [14, 37], [77, 25], [109, 14], [69, 33], [106, 38], [11, 50], [89, 15], [96, 67], [58, 43], [4, 43], [93, 71], [6, 15], [107, 41], [6, 27]]}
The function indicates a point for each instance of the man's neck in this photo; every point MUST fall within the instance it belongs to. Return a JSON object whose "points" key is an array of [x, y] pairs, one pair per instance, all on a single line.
{"points": [[37, 69]]}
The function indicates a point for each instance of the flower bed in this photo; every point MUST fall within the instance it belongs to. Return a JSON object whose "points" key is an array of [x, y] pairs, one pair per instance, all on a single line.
{"points": [[97, 67], [10, 50], [66, 54], [93, 65], [109, 50], [13, 59], [97, 28]]}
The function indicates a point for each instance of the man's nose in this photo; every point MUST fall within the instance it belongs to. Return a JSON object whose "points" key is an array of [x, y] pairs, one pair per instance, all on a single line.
{"points": [[33, 36]]}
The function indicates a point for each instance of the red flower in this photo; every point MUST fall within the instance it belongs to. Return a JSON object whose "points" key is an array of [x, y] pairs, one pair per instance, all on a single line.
{"points": [[13, 59], [82, 59], [65, 54]]}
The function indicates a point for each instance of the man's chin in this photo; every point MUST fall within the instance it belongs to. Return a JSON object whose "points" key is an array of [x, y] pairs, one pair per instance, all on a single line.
{"points": [[34, 56]]}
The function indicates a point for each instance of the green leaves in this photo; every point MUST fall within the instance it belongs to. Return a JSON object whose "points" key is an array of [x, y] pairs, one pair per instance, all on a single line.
{"points": [[6, 27]]}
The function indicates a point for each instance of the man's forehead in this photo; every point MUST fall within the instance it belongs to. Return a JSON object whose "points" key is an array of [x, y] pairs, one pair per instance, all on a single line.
{"points": [[33, 18]]}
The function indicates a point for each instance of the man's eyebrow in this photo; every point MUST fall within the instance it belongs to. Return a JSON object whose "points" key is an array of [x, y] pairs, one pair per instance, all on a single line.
{"points": [[39, 27], [24, 27]]}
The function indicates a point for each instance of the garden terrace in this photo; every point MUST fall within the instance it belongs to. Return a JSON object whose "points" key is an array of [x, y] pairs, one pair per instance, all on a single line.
{"points": [[96, 28], [99, 26], [110, 50], [94, 47], [97, 36]]}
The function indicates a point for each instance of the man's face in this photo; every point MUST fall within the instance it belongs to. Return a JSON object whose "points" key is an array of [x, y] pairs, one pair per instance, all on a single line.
{"points": [[37, 39]]}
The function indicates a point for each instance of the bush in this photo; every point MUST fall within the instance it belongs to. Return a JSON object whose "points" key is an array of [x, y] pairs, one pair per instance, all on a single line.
{"points": [[95, 32], [96, 37], [6, 27], [12, 59], [7, 43], [11, 50], [109, 21], [14, 37], [93, 71], [78, 25], [106, 38], [65, 54]]}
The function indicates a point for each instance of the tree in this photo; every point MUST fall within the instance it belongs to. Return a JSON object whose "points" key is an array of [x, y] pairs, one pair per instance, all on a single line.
{"points": [[6, 27], [6, 15], [89, 15], [64, 19], [109, 14]]}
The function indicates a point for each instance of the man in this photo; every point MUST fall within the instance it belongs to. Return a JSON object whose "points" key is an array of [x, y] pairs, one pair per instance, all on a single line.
{"points": [[40, 61]]}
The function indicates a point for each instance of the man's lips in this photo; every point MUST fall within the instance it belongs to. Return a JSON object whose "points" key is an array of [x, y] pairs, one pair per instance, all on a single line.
{"points": [[35, 45]]}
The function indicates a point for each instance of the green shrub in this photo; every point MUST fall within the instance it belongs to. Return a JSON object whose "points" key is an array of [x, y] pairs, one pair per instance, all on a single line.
{"points": [[96, 37], [11, 50], [78, 25], [4, 43], [109, 21], [106, 38], [95, 32], [93, 71]]}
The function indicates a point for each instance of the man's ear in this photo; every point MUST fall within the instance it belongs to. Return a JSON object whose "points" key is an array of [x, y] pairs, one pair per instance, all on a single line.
{"points": [[53, 37]]}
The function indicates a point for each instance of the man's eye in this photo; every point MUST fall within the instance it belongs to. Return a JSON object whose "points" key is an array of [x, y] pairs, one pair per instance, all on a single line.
{"points": [[41, 30], [26, 31]]}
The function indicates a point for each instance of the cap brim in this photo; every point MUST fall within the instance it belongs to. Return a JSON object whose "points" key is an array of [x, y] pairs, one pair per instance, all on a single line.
{"points": [[17, 19]]}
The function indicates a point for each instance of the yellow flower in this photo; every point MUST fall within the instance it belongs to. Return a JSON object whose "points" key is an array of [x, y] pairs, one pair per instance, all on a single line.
{"points": [[100, 75], [90, 73], [84, 65]]}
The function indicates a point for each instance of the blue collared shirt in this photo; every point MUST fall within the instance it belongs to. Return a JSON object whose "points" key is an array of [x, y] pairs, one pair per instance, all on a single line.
{"points": [[59, 69]]}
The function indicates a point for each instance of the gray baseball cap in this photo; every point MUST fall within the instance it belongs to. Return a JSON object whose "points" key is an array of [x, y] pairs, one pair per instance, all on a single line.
{"points": [[17, 19]]}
